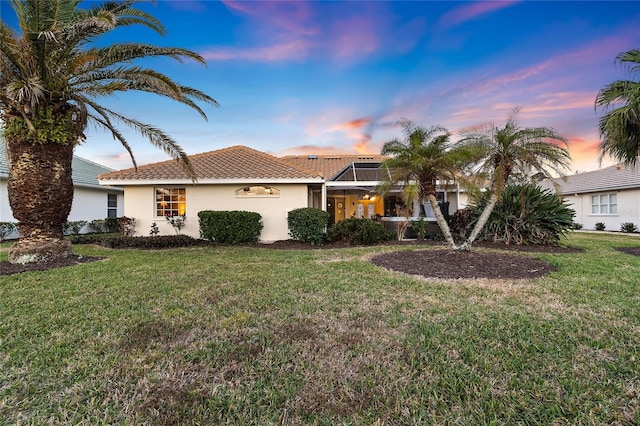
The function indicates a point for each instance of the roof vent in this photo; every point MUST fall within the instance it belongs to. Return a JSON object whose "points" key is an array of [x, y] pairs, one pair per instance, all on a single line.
{"points": [[312, 157]]}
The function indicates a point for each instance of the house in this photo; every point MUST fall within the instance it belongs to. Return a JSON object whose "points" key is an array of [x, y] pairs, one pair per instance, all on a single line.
{"points": [[351, 183], [242, 178], [90, 199], [610, 195], [234, 178]]}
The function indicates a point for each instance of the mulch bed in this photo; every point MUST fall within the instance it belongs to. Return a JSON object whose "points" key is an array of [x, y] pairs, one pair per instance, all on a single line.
{"points": [[7, 268], [629, 250], [449, 264]]}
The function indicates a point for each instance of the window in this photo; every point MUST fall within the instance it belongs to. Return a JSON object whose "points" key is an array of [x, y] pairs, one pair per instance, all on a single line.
{"points": [[112, 205], [257, 191], [171, 201], [604, 204]]}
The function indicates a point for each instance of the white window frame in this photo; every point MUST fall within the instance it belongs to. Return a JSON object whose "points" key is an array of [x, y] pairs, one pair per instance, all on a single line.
{"points": [[257, 191], [604, 204], [173, 202]]}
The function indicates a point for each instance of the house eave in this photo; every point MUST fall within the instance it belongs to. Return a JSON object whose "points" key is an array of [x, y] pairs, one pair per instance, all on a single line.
{"points": [[208, 181]]}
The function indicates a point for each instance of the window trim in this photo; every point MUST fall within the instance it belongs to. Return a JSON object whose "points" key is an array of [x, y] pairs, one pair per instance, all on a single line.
{"points": [[245, 192], [181, 209]]}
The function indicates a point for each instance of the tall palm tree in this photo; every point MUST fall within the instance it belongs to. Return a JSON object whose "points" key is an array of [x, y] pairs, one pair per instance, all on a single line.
{"points": [[424, 157], [620, 124], [51, 77], [512, 150]]}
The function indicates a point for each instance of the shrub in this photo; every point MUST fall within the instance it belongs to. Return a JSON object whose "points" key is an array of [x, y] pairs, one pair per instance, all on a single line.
{"points": [[154, 229], [73, 227], [177, 223], [600, 226], [308, 225], [150, 243], [230, 227], [460, 222], [526, 214], [6, 229], [628, 227], [358, 231], [126, 226], [420, 227], [576, 226]]}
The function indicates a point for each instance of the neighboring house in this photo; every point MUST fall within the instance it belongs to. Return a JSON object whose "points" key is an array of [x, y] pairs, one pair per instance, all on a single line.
{"points": [[610, 196], [242, 178], [90, 200]]}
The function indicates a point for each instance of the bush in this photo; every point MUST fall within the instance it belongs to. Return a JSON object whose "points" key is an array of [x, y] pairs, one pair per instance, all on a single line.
{"points": [[420, 227], [127, 226], [91, 238], [230, 227], [6, 229], [526, 214], [150, 243], [461, 223], [308, 225], [600, 226], [358, 231], [73, 227], [576, 226], [628, 227]]}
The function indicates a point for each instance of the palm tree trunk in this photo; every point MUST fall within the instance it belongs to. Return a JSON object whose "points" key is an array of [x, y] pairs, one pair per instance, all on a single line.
{"points": [[40, 195], [482, 220], [442, 222]]}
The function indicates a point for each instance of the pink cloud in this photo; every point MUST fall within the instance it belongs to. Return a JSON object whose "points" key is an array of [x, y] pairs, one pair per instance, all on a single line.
{"points": [[469, 11], [293, 50]]}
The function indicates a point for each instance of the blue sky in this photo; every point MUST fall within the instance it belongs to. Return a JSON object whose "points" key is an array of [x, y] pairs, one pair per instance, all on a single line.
{"points": [[316, 77]]}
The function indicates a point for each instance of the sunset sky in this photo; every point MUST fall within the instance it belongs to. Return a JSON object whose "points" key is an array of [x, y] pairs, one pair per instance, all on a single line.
{"points": [[317, 77]]}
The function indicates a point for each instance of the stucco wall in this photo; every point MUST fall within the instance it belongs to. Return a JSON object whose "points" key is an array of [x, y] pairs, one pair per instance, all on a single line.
{"points": [[139, 203], [628, 210], [88, 204]]}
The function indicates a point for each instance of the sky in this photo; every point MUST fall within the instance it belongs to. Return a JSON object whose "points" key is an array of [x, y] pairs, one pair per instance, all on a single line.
{"points": [[328, 77]]}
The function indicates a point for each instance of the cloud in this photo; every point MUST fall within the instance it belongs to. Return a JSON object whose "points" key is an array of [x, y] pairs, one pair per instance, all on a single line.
{"points": [[462, 14], [293, 50], [285, 31]]}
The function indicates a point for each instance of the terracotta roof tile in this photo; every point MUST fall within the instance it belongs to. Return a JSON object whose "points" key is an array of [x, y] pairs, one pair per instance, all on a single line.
{"points": [[236, 162], [332, 165]]}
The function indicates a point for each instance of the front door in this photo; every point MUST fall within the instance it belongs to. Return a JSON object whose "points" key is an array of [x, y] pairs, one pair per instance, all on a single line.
{"points": [[336, 209]]}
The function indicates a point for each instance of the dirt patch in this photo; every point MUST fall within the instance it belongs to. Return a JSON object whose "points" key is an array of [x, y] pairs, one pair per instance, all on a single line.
{"points": [[7, 268], [449, 264], [635, 251]]}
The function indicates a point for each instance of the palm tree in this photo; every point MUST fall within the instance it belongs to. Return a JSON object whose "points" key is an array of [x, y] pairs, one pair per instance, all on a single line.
{"points": [[422, 158], [503, 153], [51, 77], [620, 125]]}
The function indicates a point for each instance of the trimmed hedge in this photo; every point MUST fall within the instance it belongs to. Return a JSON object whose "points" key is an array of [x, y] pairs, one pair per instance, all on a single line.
{"points": [[150, 243], [358, 232], [308, 225], [230, 227]]}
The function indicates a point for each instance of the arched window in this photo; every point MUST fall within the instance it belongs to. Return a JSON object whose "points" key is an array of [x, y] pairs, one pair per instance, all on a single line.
{"points": [[257, 191]]}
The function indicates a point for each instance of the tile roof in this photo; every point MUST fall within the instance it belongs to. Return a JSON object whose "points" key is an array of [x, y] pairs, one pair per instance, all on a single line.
{"points": [[332, 165], [236, 162], [608, 179], [83, 171]]}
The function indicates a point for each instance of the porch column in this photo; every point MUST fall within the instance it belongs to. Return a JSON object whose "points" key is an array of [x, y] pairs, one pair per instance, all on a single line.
{"points": [[324, 197]]}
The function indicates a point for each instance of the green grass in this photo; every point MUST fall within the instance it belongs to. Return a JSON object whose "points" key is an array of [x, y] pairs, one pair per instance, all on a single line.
{"points": [[239, 335]]}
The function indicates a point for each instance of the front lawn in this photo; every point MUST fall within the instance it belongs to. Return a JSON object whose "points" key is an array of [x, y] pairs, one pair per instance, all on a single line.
{"points": [[240, 335]]}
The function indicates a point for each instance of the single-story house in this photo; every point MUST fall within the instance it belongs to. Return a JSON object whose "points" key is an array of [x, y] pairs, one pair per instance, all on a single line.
{"points": [[242, 178], [610, 195], [90, 199]]}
